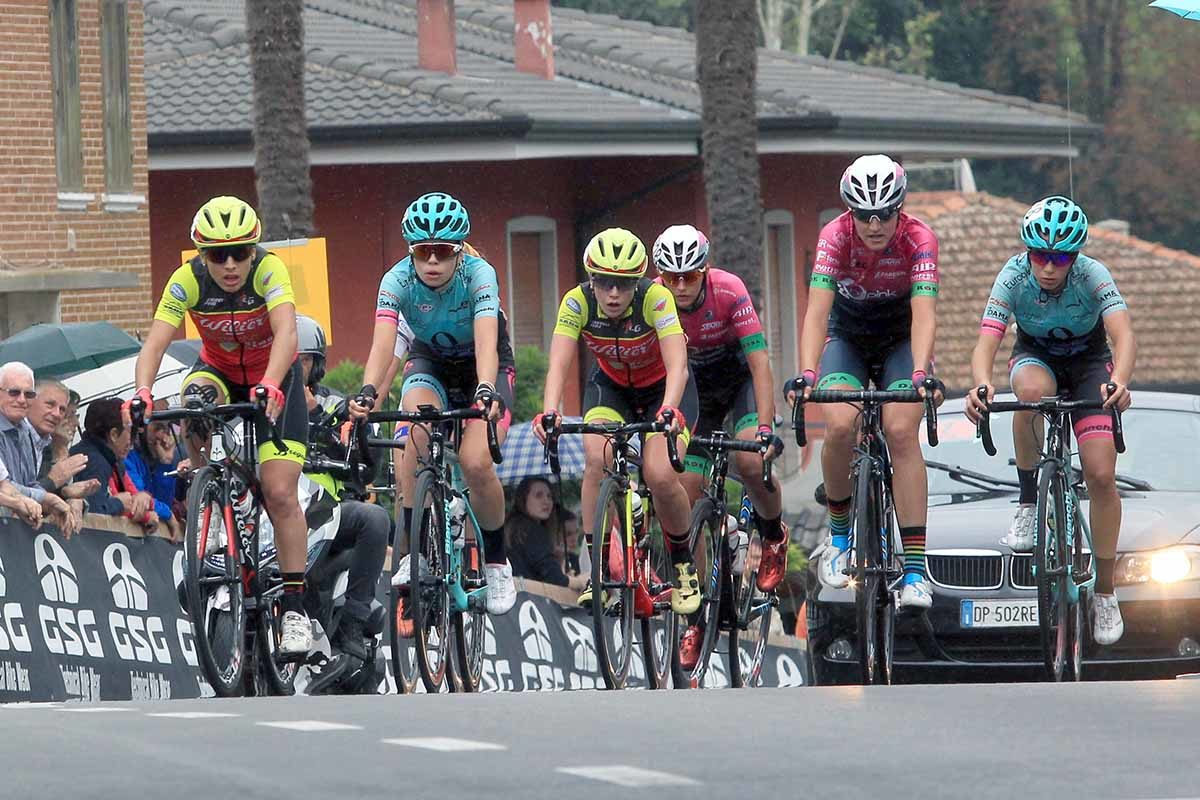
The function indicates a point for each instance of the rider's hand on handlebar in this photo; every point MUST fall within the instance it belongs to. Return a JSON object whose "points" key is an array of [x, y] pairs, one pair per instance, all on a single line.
{"points": [[1121, 398], [275, 398], [976, 408], [672, 416], [771, 444], [488, 401], [551, 416], [363, 402], [147, 400], [804, 384]]}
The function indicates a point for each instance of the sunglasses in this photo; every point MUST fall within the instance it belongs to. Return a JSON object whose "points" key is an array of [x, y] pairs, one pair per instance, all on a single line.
{"points": [[14, 393], [443, 251], [1060, 260], [603, 283], [686, 278], [219, 255], [882, 214]]}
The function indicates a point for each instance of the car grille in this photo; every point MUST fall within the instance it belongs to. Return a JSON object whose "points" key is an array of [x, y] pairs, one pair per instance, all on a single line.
{"points": [[1021, 570], [965, 571]]}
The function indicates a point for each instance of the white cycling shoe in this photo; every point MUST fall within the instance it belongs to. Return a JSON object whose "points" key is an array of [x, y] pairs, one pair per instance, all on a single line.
{"points": [[501, 590], [831, 566], [1107, 625], [915, 593], [296, 636], [404, 571], [1020, 534]]}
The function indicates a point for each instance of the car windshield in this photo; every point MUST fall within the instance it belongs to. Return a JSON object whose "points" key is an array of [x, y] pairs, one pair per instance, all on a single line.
{"points": [[1161, 448]]}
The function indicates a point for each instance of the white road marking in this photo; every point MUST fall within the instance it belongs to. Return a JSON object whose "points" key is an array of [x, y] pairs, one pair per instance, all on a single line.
{"points": [[192, 714], [445, 744], [97, 710], [310, 726], [26, 705], [625, 775]]}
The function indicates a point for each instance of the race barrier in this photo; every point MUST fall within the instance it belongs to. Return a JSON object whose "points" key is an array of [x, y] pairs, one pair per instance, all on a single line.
{"points": [[97, 617]]}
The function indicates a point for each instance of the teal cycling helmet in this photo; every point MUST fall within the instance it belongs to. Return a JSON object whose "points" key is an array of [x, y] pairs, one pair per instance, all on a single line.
{"points": [[1055, 223], [436, 217]]}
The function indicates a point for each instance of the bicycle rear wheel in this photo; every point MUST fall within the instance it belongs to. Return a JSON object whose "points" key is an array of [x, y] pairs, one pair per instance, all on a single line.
{"points": [[704, 537], [612, 591], [1051, 555], [212, 584], [752, 612], [658, 631], [870, 577], [427, 595], [469, 625], [403, 648]]}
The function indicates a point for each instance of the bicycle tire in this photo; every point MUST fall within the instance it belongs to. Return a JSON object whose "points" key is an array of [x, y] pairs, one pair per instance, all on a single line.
{"points": [[1054, 627], [428, 596], [215, 630], [403, 648], [1078, 608], [865, 533], [278, 679], [658, 631], [614, 645], [886, 607], [752, 611], [470, 625], [703, 536]]}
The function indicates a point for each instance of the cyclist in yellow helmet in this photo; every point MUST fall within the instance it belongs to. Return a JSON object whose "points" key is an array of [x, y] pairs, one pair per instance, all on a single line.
{"points": [[239, 296], [630, 325]]}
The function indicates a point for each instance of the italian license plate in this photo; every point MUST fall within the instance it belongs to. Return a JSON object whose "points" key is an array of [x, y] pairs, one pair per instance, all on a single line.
{"points": [[998, 614]]}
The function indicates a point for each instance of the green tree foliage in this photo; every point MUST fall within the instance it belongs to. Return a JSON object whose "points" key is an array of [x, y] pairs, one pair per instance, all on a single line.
{"points": [[531, 377]]}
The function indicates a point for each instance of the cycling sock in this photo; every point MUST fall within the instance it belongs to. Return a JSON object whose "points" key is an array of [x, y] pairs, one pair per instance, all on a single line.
{"points": [[1028, 480], [914, 550], [293, 592], [839, 523], [1104, 575], [493, 547], [771, 529]]}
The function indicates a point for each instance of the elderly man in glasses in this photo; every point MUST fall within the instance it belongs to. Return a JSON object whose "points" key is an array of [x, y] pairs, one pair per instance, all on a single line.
{"points": [[21, 445]]}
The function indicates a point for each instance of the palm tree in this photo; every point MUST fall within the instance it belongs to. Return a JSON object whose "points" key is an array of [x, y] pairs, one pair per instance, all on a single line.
{"points": [[275, 29], [726, 65]]}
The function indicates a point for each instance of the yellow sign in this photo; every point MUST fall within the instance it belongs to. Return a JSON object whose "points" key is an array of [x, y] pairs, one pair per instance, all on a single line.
{"points": [[305, 260]]}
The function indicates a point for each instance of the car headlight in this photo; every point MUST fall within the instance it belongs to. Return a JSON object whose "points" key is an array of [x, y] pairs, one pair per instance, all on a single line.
{"points": [[1168, 565]]}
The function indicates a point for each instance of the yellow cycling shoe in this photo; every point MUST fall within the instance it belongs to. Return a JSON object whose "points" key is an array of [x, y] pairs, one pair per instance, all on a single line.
{"points": [[685, 599], [585, 597]]}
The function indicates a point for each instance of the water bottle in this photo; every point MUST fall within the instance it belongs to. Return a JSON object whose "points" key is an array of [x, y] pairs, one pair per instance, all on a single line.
{"points": [[458, 520], [638, 514], [739, 544]]}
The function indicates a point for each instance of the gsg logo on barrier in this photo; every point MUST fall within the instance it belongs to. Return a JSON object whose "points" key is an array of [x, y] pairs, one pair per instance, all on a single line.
{"points": [[137, 637], [65, 630], [14, 635]]}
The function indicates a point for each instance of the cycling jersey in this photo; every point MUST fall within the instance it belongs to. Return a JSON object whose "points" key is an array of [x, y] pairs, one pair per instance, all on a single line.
{"points": [[873, 287], [443, 319], [722, 329], [1061, 324], [626, 349], [235, 328]]}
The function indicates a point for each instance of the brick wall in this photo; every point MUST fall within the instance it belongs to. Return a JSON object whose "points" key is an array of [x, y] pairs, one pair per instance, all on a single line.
{"points": [[33, 232]]}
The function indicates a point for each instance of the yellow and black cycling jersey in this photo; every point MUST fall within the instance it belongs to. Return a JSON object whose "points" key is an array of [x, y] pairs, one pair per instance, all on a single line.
{"points": [[627, 348], [235, 327]]}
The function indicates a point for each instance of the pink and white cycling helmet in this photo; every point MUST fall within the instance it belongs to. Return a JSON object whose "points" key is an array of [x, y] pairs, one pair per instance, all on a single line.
{"points": [[681, 248], [873, 183]]}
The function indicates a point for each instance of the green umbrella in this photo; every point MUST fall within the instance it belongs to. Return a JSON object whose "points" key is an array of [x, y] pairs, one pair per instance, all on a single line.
{"points": [[56, 350], [1188, 9]]}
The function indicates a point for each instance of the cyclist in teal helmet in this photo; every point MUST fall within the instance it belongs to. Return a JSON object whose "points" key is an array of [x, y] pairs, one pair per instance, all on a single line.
{"points": [[460, 356], [1067, 309]]}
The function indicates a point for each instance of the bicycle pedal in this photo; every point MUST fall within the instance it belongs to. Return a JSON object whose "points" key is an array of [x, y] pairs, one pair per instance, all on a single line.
{"points": [[290, 658]]}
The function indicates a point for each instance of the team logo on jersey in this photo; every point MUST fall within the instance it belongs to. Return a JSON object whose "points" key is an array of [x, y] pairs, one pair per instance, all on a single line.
{"points": [[660, 305], [178, 292], [573, 304], [424, 308], [708, 314]]}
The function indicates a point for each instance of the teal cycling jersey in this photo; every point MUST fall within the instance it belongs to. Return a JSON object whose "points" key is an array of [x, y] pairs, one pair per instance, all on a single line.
{"points": [[442, 319], [1067, 322]]}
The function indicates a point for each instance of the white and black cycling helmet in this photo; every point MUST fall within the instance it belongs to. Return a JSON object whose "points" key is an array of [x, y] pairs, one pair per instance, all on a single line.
{"points": [[310, 340], [873, 183], [681, 248]]}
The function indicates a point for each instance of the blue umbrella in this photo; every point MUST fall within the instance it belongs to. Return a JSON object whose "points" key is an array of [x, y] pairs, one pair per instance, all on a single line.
{"points": [[523, 454], [1188, 9]]}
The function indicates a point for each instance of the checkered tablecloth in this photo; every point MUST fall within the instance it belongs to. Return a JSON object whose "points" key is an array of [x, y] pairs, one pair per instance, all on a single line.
{"points": [[523, 454]]}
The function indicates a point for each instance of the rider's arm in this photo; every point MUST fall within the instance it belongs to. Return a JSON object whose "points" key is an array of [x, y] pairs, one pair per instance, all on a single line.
{"points": [[150, 357], [564, 344], [983, 358], [284, 343], [923, 277], [747, 326], [658, 308], [181, 293], [485, 309], [1119, 327], [764, 386], [487, 357], [994, 324], [816, 324]]}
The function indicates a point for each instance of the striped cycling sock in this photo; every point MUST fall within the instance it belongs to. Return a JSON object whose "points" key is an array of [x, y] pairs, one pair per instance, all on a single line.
{"points": [[839, 523], [914, 550]]}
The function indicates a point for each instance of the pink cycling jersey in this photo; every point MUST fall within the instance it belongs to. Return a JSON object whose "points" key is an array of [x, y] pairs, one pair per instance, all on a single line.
{"points": [[873, 287], [724, 325]]}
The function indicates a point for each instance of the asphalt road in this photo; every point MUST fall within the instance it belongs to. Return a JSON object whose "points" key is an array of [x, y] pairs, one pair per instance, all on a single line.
{"points": [[1026, 741]]}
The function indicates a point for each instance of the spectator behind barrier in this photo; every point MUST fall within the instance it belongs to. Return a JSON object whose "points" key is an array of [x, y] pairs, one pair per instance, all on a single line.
{"points": [[106, 441], [23, 507], [21, 446], [531, 545], [154, 454], [57, 467], [567, 543]]}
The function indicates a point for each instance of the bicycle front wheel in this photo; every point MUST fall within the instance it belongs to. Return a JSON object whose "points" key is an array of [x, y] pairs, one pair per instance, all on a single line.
{"points": [[212, 584], [704, 536], [752, 611], [470, 625], [427, 595], [870, 577], [612, 589], [1051, 555]]}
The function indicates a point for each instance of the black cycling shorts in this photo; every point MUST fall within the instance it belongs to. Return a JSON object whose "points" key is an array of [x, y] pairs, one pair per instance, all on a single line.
{"points": [[454, 380], [605, 399], [858, 361], [1076, 377]]}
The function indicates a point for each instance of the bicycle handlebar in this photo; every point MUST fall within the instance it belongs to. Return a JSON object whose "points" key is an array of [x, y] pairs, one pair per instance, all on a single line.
{"points": [[870, 397], [201, 410], [723, 442], [1047, 405], [431, 414], [554, 429]]}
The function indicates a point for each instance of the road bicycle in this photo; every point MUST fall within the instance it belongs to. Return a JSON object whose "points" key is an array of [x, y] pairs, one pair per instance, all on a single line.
{"points": [[1062, 549], [876, 565], [629, 555]]}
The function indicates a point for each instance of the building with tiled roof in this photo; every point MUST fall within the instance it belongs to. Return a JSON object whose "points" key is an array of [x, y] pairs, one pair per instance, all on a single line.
{"points": [[978, 233]]}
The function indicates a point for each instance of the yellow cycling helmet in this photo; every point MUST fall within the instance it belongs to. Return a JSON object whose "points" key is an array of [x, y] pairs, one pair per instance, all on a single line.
{"points": [[615, 252], [225, 221]]}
